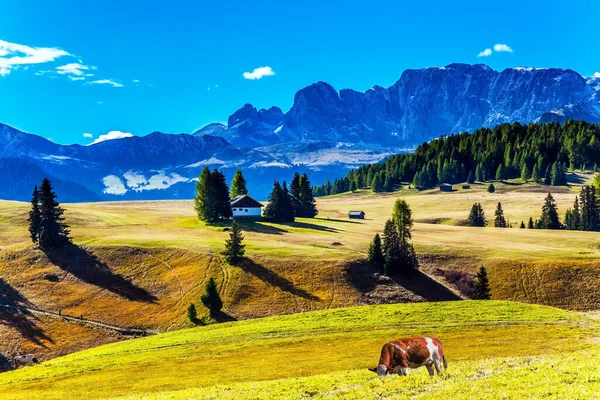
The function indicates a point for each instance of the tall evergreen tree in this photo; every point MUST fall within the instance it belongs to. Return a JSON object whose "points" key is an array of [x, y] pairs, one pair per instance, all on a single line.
{"points": [[307, 204], [287, 207], [222, 199], [491, 188], [192, 313], [296, 196], [525, 173], [402, 217], [549, 218], [375, 253], [522, 226], [353, 186], [35, 216], [471, 177], [479, 173], [476, 216], [482, 291], [500, 173], [211, 298], [205, 200], [391, 246], [535, 174], [558, 177], [54, 231], [238, 184], [280, 207], [499, 220], [234, 247]]}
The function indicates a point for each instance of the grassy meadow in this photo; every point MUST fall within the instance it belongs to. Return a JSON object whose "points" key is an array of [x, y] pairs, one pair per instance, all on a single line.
{"points": [[140, 264], [495, 349]]}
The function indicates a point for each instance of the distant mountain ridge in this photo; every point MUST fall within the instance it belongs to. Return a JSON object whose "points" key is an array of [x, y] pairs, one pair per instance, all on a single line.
{"points": [[421, 105], [324, 133]]}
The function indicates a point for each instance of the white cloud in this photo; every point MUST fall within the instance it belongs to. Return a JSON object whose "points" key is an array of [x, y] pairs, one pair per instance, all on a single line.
{"points": [[76, 69], [106, 82], [76, 78], [258, 73], [485, 53], [502, 48], [112, 135], [13, 55], [596, 74], [88, 135], [135, 81]]}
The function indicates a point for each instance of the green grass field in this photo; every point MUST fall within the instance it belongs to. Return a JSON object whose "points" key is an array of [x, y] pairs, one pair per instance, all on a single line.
{"points": [[495, 349], [160, 248]]}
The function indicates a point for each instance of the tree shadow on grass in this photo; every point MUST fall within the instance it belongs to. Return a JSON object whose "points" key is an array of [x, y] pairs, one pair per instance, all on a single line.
{"points": [[224, 317], [11, 314], [5, 363], [306, 225], [254, 225], [274, 279], [347, 221], [362, 277], [426, 287], [88, 268]]}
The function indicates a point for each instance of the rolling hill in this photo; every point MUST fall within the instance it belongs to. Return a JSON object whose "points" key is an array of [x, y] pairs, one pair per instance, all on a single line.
{"points": [[495, 349], [140, 264]]}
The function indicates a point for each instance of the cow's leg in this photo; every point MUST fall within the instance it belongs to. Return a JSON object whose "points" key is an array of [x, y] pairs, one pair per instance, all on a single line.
{"points": [[429, 369], [438, 366], [404, 371]]}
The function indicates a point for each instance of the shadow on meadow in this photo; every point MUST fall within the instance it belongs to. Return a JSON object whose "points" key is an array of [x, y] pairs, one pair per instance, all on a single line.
{"points": [[12, 315], [88, 268], [274, 279]]}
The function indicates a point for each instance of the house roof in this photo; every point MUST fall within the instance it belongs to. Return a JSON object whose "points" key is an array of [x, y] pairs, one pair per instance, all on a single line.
{"points": [[356, 212], [445, 184], [245, 201]]}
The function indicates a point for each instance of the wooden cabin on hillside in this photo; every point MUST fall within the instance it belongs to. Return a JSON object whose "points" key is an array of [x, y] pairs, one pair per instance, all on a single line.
{"points": [[245, 206]]}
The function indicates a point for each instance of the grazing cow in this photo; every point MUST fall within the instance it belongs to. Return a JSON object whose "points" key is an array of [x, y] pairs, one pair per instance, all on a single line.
{"points": [[399, 355], [26, 360]]}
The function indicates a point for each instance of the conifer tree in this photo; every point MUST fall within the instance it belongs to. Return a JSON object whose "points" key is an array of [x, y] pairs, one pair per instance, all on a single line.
{"points": [[549, 218], [295, 195], [479, 173], [500, 173], [54, 232], [558, 177], [222, 199], [353, 186], [234, 247], [375, 253], [491, 188], [204, 202], [499, 220], [391, 246], [307, 199], [548, 176], [471, 177], [576, 215], [287, 210], [524, 173], [192, 313], [388, 185], [35, 216], [238, 184], [280, 207], [482, 291], [211, 298], [476, 216], [522, 226], [535, 174], [530, 224], [402, 217]]}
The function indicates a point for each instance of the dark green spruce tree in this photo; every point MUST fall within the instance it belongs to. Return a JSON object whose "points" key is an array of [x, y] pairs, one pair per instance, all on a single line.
{"points": [[234, 247], [530, 224], [211, 298], [549, 218], [482, 291], [238, 184], [35, 217], [205, 200], [476, 216], [375, 253], [222, 199], [499, 220], [192, 313], [54, 232]]}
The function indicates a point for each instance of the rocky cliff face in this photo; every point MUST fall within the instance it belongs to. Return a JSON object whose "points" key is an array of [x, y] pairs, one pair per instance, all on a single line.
{"points": [[421, 105]]}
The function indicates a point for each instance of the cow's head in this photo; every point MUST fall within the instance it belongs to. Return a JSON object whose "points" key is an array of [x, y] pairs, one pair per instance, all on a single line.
{"points": [[386, 361]]}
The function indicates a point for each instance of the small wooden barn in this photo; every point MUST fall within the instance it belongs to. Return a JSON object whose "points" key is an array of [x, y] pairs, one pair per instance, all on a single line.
{"points": [[445, 187], [245, 206], [466, 186], [356, 215]]}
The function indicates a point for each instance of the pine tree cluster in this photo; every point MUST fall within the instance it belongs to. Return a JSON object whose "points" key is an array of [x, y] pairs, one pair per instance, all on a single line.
{"points": [[506, 151], [212, 196], [301, 194], [280, 207], [476, 216], [395, 254], [46, 221], [585, 214]]}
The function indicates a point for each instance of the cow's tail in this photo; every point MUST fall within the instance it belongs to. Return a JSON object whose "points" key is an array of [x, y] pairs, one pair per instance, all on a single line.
{"points": [[441, 352]]}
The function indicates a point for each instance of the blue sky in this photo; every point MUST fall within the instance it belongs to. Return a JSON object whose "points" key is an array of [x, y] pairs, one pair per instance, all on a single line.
{"points": [[74, 68]]}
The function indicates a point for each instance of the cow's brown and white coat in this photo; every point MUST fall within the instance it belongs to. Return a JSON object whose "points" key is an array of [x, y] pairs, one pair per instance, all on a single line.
{"points": [[399, 355]]}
